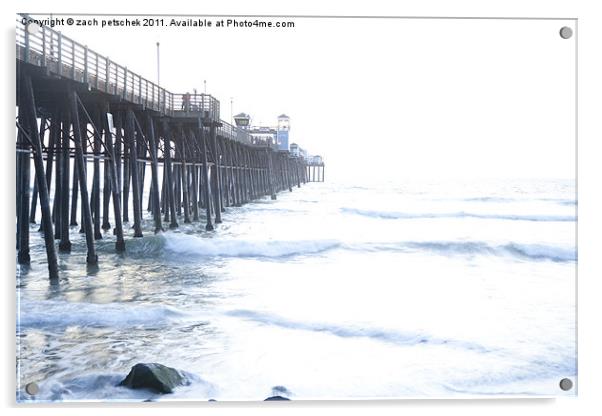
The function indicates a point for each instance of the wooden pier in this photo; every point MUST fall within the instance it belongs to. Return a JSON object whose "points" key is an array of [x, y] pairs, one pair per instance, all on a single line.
{"points": [[78, 110], [315, 171]]}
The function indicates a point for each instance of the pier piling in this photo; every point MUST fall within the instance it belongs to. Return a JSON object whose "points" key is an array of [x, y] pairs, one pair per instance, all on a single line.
{"points": [[80, 162], [28, 102], [111, 127]]}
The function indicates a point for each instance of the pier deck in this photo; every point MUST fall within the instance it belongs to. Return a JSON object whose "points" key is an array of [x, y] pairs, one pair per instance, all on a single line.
{"points": [[78, 109]]}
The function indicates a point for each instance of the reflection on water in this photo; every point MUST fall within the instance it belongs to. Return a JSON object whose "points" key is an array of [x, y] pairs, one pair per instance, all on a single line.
{"points": [[331, 291]]}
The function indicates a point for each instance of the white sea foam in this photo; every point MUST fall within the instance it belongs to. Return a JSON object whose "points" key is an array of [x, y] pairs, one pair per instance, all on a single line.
{"points": [[192, 245], [520, 251], [105, 386], [560, 201], [460, 214], [377, 334], [541, 252]]}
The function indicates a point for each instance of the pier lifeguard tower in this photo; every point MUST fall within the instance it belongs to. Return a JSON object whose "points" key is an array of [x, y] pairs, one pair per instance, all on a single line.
{"points": [[282, 132], [243, 121]]}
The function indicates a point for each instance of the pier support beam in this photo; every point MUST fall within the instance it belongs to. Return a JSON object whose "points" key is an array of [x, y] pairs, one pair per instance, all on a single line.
{"points": [[58, 186], [126, 170], [209, 225], [289, 180], [167, 170], [156, 202], [184, 174], [23, 180], [65, 243], [106, 189], [194, 176], [195, 194], [130, 136], [233, 170], [114, 183], [49, 158], [117, 146], [96, 176], [91, 258], [74, 192], [250, 173], [270, 174], [216, 177], [238, 200], [220, 169], [28, 101], [49, 164]]}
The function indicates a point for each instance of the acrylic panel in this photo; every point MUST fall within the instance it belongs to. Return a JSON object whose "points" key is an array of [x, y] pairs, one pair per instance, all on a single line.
{"points": [[295, 207]]}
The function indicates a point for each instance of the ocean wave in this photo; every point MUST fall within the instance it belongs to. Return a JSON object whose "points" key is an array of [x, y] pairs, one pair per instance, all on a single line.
{"points": [[541, 252], [561, 201], [189, 244], [460, 214], [193, 246], [490, 199], [524, 376], [534, 252], [52, 313], [377, 334]]}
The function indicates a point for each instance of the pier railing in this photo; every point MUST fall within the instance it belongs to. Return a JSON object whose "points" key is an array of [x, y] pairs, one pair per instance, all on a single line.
{"points": [[234, 133], [67, 58], [189, 104]]}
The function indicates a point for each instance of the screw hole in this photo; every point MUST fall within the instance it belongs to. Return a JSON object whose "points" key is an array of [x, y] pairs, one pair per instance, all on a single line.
{"points": [[33, 28], [32, 388], [566, 384], [566, 32]]}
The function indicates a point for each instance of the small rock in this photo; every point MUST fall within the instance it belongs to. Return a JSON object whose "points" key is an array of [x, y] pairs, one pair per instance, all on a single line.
{"points": [[275, 398], [153, 376]]}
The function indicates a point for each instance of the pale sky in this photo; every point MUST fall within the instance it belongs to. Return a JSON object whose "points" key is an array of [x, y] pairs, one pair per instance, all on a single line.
{"points": [[382, 98]]}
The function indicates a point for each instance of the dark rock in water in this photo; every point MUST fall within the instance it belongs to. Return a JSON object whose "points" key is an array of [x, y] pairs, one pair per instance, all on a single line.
{"points": [[153, 376], [275, 398]]}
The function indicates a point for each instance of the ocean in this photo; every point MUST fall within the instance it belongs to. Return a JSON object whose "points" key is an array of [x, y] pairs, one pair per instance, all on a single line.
{"points": [[332, 291]]}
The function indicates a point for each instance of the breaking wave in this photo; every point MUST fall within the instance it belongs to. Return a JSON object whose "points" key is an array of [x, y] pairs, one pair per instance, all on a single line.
{"points": [[460, 214], [541, 252], [192, 246], [216, 247], [489, 199], [383, 335], [561, 201], [521, 251]]}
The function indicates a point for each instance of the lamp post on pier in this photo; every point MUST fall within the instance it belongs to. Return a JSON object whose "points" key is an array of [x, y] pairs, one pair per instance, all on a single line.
{"points": [[158, 67]]}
